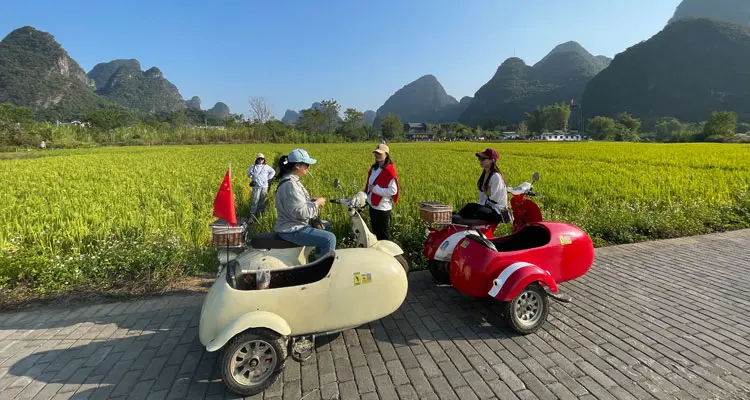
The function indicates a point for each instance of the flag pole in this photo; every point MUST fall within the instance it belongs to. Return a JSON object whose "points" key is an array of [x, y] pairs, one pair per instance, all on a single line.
{"points": [[226, 249], [230, 179]]}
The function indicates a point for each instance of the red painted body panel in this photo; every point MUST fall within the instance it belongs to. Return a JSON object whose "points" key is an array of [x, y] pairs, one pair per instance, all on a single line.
{"points": [[525, 212], [437, 236], [563, 252]]}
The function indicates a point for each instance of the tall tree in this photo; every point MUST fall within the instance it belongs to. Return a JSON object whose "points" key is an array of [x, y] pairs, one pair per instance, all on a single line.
{"points": [[391, 126], [631, 123], [259, 110], [601, 128], [721, 124], [353, 117], [558, 115], [312, 120], [331, 110]]}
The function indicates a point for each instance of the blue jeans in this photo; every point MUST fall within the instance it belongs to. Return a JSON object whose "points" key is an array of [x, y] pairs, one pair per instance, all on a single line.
{"points": [[323, 240]]}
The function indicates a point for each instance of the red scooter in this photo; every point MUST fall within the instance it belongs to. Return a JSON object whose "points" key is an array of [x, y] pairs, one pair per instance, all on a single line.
{"points": [[522, 269], [442, 237]]}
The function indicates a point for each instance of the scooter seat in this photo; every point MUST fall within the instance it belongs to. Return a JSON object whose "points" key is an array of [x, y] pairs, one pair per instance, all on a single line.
{"points": [[459, 220], [271, 240]]}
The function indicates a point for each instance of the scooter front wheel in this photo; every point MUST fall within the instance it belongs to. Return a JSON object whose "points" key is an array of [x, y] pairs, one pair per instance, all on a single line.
{"points": [[528, 311], [252, 361], [402, 260]]}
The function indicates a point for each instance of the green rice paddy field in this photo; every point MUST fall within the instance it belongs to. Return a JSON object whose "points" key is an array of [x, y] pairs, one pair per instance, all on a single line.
{"points": [[73, 220]]}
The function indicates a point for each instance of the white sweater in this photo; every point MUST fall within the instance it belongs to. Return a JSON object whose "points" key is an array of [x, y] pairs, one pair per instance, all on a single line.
{"points": [[498, 199]]}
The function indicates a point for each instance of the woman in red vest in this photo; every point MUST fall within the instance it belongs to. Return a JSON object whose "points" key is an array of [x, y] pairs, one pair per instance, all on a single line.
{"points": [[382, 191]]}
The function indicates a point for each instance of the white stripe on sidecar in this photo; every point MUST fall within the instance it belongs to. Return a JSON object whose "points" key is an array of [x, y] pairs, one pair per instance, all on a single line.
{"points": [[497, 284]]}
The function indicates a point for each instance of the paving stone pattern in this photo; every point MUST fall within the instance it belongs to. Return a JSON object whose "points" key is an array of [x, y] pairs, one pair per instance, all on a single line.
{"points": [[658, 320]]}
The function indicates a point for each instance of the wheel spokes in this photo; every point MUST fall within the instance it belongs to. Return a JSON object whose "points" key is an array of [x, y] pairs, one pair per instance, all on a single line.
{"points": [[253, 362]]}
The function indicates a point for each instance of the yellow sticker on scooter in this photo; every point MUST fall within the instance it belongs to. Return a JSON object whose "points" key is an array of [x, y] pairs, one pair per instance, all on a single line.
{"points": [[366, 278], [565, 240], [464, 244], [357, 279]]}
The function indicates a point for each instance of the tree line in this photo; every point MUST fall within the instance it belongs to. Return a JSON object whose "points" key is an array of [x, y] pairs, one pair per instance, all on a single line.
{"points": [[323, 123]]}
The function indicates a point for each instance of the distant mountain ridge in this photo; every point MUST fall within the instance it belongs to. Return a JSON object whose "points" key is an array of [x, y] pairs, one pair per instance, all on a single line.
{"points": [[103, 71], [732, 11], [147, 91], [36, 72], [517, 88], [690, 68], [423, 100]]}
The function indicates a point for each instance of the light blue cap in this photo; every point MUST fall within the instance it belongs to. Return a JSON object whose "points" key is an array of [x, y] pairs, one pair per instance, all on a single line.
{"points": [[300, 156]]}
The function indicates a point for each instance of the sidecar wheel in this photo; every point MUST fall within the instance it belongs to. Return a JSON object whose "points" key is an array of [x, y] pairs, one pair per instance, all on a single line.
{"points": [[528, 311], [440, 270], [252, 361], [402, 260]]}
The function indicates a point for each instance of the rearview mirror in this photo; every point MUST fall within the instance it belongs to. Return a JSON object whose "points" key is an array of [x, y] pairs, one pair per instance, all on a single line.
{"points": [[536, 177]]}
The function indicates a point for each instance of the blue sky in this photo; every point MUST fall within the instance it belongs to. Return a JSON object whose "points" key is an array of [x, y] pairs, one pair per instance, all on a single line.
{"points": [[296, 52]]}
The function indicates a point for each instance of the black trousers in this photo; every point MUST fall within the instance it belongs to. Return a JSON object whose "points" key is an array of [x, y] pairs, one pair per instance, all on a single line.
{"points": [[381, 223], [478, 211]]}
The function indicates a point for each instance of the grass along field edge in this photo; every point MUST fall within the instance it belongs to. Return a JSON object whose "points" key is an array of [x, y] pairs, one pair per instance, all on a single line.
{"points": [[134, 220]]}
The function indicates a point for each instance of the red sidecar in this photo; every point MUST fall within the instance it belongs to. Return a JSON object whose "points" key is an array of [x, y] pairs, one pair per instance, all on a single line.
{"points": [[522, 269]]}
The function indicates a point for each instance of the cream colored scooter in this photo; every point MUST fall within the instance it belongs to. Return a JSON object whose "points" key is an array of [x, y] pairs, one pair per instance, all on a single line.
{"points": [[268, 302]]}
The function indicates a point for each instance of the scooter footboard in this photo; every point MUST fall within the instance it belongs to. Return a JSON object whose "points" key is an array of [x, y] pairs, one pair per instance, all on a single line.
{"points": [[515, 277]]}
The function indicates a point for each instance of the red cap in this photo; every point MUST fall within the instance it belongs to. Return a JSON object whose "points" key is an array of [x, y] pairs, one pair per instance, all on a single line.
{"points": [[489, 153]]}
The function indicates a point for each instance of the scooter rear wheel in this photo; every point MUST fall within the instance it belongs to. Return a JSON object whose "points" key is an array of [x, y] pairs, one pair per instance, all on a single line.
{"points": [[252, 361], [528, 311], [440, 270]]}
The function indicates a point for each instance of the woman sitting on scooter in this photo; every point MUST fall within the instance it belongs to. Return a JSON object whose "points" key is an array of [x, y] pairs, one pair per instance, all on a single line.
{"points": [[493, 193], [296, 209]]}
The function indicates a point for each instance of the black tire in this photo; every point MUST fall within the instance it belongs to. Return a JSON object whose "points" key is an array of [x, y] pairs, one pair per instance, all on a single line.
{"points": [[405, 264], [536, 302], [440, 270], [274, 344]]}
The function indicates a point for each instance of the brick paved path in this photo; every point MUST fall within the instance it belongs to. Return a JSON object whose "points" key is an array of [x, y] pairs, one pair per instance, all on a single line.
{"points": [[658, 320]]}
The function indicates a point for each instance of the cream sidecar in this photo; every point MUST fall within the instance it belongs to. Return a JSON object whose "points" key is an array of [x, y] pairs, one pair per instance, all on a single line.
{"points": [[257, 321]]}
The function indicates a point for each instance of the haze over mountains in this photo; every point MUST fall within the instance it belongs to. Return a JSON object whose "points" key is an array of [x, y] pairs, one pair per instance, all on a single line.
{"points": [[692, 67]]}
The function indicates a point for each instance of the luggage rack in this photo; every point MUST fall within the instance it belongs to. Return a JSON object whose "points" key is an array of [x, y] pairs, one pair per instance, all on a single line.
{"points": [[435, 212], [224, 236]]}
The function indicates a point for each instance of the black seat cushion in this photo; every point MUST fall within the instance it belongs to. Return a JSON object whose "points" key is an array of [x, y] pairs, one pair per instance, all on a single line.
{"points": [[294, 276], [529, 237], [271, 240], [459, 220]]}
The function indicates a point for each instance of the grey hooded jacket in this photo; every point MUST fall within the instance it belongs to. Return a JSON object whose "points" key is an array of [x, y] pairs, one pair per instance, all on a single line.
{"points": [[294, 207]]}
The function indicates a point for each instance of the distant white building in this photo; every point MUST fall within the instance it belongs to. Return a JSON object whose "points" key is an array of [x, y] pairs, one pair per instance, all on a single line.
{"points": [[560, 136], [73, 123]]}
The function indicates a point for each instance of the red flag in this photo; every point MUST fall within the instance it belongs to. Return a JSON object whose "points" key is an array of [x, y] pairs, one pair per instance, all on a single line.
{"points": [[224, 202]]}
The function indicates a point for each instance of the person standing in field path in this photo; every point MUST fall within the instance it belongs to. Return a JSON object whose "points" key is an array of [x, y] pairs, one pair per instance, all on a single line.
{"points": [[260, 174], [382, 190]]}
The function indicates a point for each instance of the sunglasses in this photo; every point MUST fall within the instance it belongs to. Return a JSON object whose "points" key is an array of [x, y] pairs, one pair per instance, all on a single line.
{"points": [[482, 158]]}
